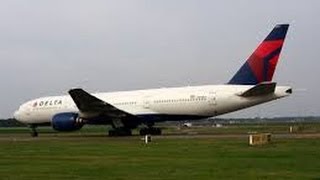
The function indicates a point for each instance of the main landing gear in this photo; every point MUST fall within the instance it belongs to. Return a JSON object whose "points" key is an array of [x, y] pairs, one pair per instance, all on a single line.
{"points": [[120, 132], [150, 130], [128, 132]]}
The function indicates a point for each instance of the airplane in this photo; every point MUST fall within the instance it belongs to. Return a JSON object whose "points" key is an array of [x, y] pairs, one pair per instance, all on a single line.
{"points": [[126, 110]]}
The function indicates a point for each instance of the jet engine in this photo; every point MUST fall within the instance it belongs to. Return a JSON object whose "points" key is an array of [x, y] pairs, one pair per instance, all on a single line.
{"points": [[67, 122]]}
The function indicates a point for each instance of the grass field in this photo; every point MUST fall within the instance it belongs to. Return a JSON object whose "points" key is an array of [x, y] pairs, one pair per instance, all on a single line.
{"points": [[91, 156]]}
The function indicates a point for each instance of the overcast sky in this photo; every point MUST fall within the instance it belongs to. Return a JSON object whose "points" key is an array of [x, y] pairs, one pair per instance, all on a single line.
{"points": [[48, 47]]}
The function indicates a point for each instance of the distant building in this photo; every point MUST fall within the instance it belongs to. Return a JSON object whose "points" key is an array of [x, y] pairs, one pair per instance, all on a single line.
{"points": [[187, 124]]}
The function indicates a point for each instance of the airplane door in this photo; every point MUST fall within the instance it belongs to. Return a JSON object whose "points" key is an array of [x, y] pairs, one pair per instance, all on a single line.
{"points": [[212, 100], [146, 102]]}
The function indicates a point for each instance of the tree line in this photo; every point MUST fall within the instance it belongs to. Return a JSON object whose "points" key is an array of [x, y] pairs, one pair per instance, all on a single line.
{"points": [[11, 122]]}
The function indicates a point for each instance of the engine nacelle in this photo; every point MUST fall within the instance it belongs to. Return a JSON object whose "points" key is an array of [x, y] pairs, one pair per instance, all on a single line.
{"points": [[66, 122]]}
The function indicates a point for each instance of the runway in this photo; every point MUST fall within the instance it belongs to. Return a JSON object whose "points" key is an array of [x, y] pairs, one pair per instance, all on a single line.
{"points": [[96, 136]]}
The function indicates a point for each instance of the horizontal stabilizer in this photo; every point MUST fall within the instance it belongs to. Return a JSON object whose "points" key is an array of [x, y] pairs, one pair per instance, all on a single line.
{"points": [[261, 89]]}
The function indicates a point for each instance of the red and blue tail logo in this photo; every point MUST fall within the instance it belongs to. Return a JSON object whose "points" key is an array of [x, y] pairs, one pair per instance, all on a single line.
{"points": [[262, 63]]}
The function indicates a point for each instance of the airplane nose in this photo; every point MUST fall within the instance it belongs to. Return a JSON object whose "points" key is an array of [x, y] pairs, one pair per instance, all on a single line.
{"points": [[16, 115]]}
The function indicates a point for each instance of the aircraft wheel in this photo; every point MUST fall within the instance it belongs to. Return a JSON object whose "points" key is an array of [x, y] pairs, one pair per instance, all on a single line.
{"points": [[127, 132], [34, 134], [151, 131], [120, 132], [143, 131], [111, 133], [158, 131]]}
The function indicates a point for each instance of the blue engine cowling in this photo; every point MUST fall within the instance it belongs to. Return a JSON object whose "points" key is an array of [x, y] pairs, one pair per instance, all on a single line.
{"points": [[66, 122]]}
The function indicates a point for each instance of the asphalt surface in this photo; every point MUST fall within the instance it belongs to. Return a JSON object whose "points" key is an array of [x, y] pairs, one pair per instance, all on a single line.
{"points": [[57, 136]]}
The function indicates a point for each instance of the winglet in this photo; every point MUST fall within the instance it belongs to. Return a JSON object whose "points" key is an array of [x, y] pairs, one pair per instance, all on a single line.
{"points": [[261, 65]]}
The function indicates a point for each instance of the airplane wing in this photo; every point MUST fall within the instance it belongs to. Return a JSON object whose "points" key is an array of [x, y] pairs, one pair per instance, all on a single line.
{"points": [[260, 89], [89, 104]]}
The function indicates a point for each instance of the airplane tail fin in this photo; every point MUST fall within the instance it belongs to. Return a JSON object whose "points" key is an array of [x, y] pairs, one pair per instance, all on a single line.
{"points": [[262, 63]]}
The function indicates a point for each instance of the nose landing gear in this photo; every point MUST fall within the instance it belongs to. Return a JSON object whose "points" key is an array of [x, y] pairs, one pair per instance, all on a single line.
{"points": [[33, 132]]}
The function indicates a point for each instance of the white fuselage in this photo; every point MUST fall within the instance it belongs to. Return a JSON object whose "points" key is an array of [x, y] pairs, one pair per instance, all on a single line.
{"points": [[206, 101]]}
